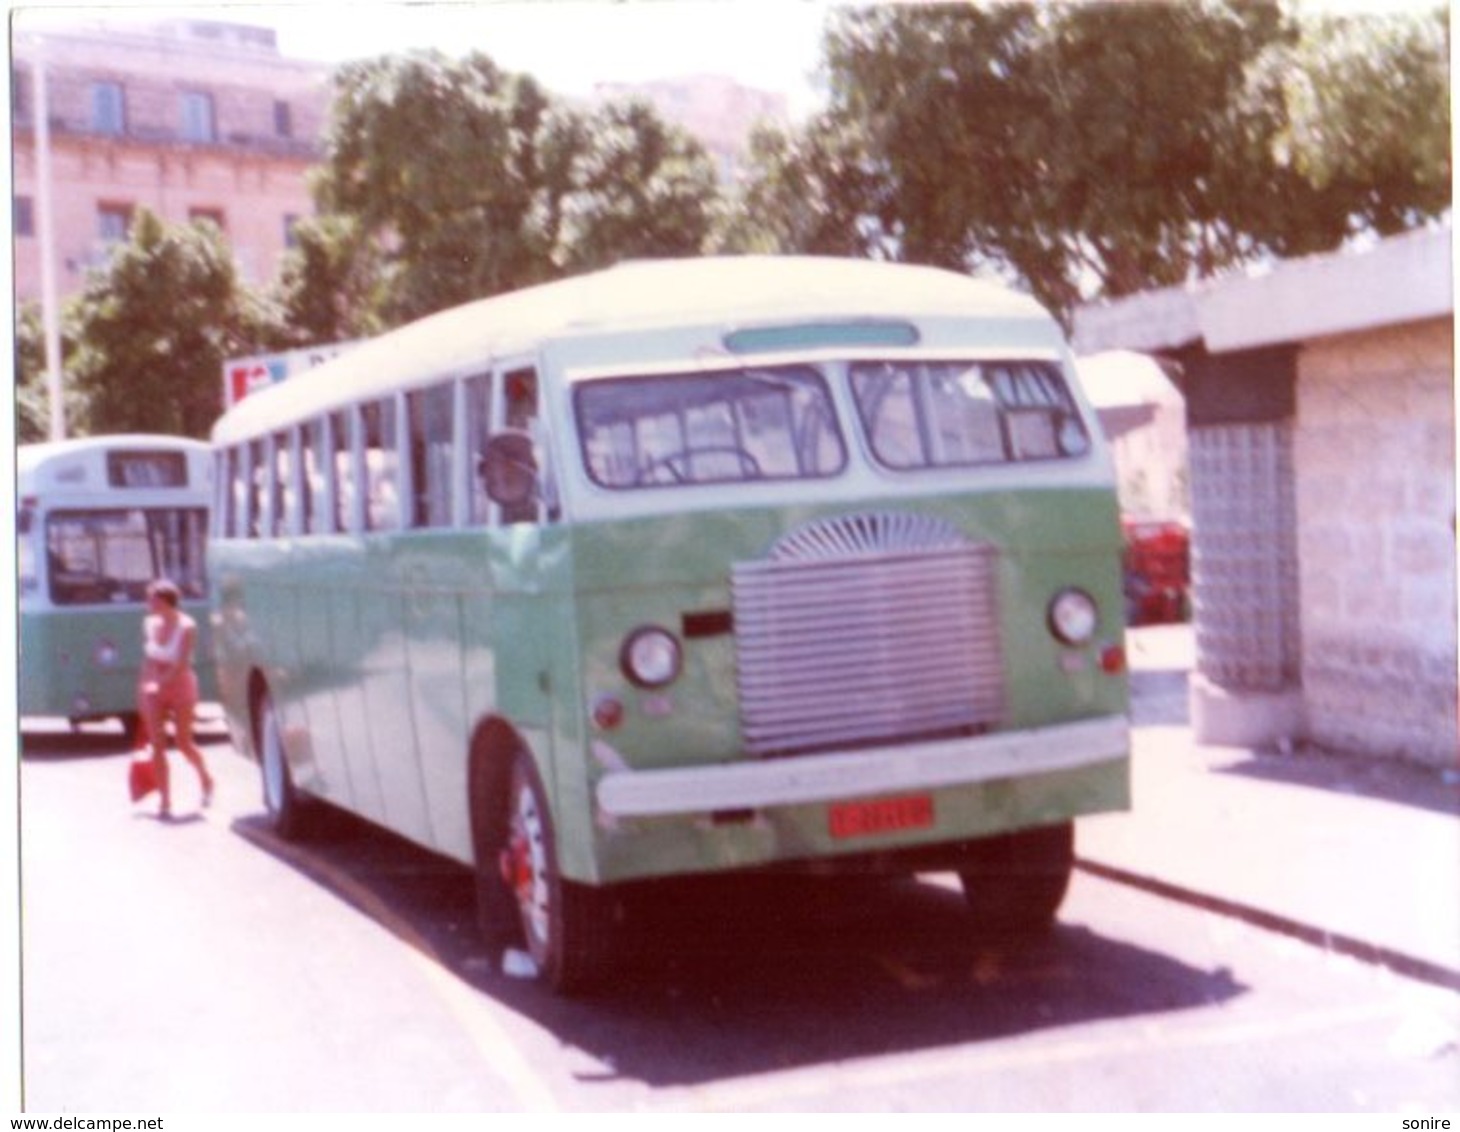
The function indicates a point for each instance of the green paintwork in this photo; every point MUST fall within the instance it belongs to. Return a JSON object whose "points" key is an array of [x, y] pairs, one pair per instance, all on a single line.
{"points": [[384, 653], [58, 667]]}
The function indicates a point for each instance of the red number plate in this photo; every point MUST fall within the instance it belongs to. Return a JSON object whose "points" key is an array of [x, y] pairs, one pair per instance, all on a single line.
{"points": [[867, 819]]}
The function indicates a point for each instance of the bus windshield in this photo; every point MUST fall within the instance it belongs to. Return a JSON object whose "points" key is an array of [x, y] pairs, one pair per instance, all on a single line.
{"points": [[726, 426], [949, 414], [110, 555]]}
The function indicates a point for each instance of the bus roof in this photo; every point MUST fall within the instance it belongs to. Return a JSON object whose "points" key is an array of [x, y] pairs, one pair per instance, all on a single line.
{"points": [[714, 290], [43, 465], [30, 456]]}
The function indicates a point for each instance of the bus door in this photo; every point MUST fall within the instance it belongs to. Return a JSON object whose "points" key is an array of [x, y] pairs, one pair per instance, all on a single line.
{"points": [[507, 619]]}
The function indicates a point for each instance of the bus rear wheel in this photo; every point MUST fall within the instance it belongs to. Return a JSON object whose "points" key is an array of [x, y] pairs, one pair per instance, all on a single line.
{"points": [[565, 926], [1015, 882]]}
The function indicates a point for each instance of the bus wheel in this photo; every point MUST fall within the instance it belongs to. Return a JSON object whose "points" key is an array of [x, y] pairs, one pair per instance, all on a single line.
{"points": [[283, 806], [1015, 882], [565, 925], [496, 900]]}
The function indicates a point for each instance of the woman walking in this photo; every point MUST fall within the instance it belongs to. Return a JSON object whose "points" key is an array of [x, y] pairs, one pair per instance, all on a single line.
{"points": [[170, 686]]}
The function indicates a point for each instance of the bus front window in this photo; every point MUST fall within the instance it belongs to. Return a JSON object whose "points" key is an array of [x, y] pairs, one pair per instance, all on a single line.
{"points": [[723, 427], [97, 557], [957, 414]]}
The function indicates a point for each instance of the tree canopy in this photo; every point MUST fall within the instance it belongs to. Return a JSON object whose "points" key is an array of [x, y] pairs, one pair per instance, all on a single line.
{"points": [[1084, 150], [463, 180], [153, 328], [1092, 150]]}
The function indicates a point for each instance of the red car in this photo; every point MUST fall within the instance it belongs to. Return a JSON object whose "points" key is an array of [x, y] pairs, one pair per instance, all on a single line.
{"points": [[1157, 571]]}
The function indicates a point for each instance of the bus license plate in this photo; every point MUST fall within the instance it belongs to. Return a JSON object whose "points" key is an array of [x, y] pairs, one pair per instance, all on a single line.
{"points": [[888, 815]]}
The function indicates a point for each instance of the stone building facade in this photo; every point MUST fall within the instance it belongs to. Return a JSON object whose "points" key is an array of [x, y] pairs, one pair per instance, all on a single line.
{"points": [[1375, 484], [191, 119], [1321, 423]]}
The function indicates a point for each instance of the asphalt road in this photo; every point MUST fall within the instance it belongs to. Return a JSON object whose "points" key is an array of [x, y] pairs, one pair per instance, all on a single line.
{"points": [[203, 966]]}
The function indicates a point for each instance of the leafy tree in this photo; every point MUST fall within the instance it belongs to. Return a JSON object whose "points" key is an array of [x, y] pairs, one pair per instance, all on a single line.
{"points": [[328, 288], [641, 188], [812, 191], [1366, 115], [453, 170], [1096, 149], [462, 180], [153, 328], [32, 398]]}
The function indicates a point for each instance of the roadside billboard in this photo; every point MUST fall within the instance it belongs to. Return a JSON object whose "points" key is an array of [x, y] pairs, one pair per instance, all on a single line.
{"points": [[242, 376]]}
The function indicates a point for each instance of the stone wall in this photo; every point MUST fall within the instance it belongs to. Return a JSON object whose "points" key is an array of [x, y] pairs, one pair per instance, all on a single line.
{"points": [[1374, 466]]}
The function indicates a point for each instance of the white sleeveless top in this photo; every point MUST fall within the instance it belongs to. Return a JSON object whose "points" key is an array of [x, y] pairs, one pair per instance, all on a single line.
{"points": [[166, 652]]}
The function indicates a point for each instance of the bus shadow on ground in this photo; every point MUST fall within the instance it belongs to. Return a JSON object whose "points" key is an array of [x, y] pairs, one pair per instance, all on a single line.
{"points": [[729, 976]]}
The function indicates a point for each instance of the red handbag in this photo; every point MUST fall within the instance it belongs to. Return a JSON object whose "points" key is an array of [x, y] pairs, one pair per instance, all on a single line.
{"points": [[141, 776]]}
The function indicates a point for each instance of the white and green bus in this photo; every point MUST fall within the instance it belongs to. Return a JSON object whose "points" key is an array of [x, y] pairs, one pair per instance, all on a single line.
{"points": [[680, 567], [98, 519]]}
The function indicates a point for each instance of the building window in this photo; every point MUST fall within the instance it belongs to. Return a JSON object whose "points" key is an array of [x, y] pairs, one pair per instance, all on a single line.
{"points": [[24, 216], [197, 116], [108, 109], [113, 222], [283, 120]]}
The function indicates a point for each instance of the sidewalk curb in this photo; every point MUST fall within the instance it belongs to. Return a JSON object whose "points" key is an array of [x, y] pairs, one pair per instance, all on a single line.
{"points": [[1423, 970]]}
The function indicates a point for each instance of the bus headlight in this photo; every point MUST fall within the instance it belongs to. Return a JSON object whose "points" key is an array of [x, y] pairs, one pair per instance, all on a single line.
{"points": [[104, 654], [650, 657], [1073, 616]]}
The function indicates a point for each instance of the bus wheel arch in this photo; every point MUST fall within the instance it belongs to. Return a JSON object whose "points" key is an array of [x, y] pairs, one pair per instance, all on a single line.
{"points": [[523, 900], [285, 807], [494, 747]]}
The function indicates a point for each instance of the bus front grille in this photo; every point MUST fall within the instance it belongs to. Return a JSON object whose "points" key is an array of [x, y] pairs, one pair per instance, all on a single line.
{"points": [[871, 629]]}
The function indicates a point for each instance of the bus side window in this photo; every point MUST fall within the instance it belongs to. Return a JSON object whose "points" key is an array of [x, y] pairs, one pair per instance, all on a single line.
{"points": [[258, 471], [342, 469], [478, 432], [25, 557], [286, 493], [430, 429], [382, 465], [314, 465], [519, 401]]}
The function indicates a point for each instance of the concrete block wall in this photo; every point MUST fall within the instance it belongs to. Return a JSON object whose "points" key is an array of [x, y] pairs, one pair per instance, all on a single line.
{"points": [[1374, 467]]}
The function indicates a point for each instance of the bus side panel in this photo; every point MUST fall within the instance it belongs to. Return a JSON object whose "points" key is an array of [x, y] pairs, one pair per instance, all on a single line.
{"points": [[342, 601], [444, 577], [84, 661], [384, 683], [317, 679]]}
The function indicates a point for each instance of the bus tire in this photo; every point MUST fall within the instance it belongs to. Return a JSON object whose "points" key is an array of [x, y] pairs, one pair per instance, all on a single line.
{"points": [[498, 921], [284, 806], [566, 927], [1015, 882]]}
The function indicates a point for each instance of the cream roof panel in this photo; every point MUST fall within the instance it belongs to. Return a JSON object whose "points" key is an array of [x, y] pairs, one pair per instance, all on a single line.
{"points": [[713, 291]]}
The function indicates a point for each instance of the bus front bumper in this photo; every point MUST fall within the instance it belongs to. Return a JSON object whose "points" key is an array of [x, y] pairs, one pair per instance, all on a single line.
{"points": [[844, 776]]}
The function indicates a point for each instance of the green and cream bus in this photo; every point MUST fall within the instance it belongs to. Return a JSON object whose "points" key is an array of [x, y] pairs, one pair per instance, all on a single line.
{"points": [[679, 567], [98, 519]]}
